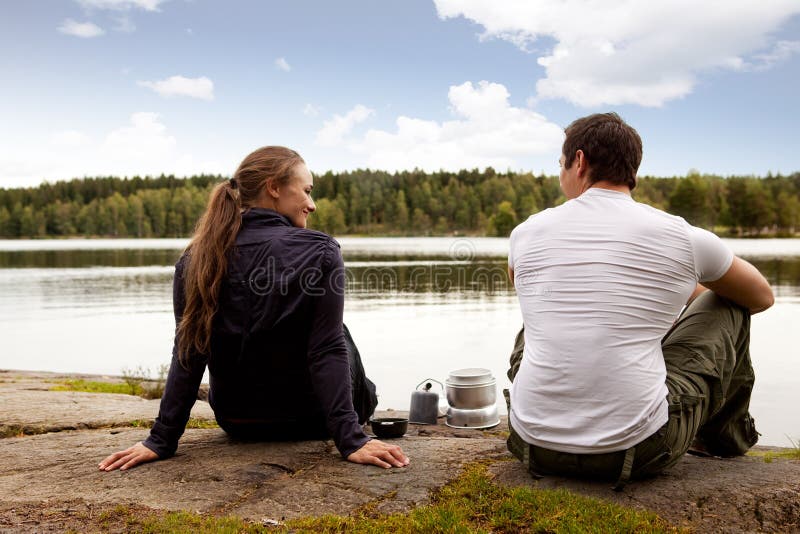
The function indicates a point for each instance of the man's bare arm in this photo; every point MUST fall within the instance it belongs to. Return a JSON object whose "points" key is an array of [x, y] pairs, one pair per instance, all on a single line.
{"points": [[511, 275], [744, 285]]}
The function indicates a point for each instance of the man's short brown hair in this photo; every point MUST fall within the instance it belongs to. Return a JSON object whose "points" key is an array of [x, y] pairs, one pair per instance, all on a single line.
{"points": [[611, 147]]}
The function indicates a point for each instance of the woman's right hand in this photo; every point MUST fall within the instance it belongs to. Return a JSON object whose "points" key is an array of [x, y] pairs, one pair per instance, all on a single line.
{"points": [[130, 457], [381, 454]]}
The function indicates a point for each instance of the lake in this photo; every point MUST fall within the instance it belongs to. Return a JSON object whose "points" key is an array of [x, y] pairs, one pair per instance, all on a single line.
{"points": [[417, 308]]}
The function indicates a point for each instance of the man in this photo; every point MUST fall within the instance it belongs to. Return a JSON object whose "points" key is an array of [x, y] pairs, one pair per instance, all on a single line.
{"points": [[605, 381]]}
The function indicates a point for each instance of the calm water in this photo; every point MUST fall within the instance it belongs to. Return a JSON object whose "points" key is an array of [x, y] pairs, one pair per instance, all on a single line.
{"points": [[417, 307]]}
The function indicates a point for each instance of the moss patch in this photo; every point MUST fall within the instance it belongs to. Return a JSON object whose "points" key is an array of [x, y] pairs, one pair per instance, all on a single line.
{"points": [[769, 456], [93, 386], [11, 431], [192, 423], [20, 431]]}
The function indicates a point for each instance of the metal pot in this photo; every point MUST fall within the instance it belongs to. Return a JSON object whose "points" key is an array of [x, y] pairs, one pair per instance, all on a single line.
{"points": [[470, 397], [485, 417], [471, 388]]}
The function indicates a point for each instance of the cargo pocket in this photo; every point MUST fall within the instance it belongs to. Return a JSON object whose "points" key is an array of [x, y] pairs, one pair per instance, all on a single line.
{"points": [[693, 363], [684, 414], [735, 437]]}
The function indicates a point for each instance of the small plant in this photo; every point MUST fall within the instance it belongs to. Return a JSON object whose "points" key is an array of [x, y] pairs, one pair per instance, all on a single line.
{"points": [[794, 452], [139, 382], [136, 382]]}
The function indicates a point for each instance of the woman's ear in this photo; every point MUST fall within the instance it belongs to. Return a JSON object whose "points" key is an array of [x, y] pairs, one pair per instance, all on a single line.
{"points": [[272, 189]]}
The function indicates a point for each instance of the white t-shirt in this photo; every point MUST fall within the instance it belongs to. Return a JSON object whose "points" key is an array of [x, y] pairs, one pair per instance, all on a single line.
{"points": [[600, 280]]}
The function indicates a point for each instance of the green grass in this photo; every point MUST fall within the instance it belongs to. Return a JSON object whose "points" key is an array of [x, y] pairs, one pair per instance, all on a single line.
{"points": [[134, 382], [471, 503], [11, 431], [192, 423], [92, 386], [792, 453], [172, 522]]}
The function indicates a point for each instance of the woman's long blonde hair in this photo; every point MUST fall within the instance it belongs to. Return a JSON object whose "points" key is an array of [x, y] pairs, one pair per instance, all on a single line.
{"points": [[214, 237]]}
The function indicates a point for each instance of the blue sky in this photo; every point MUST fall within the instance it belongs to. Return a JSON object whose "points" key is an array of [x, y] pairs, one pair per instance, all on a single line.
{"points": [[128, 87]]}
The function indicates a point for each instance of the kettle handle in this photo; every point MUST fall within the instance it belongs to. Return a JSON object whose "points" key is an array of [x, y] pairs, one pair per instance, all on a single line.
{"points": [[430, 380]]}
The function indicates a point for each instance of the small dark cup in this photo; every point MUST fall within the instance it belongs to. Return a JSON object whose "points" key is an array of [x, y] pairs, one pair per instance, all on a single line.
{"points": [[389, 427]]}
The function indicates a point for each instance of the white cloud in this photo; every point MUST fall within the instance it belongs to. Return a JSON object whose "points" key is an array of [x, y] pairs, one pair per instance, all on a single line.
{"points": [[145, 138], [488, 131], [646, 53], [333, 131], [310, 110], [143, 146], [121, 5], [282, 64], [782, 51], [201, 87], [80, 29], [69, 138]]}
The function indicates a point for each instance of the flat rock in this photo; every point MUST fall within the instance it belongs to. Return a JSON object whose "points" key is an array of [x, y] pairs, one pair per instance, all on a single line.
{"points": [[213, 473], [52, 477], [744, 494], [27, 405]]}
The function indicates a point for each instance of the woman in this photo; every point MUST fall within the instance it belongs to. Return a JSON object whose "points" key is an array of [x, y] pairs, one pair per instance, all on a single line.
{"points": [[259, 299]]}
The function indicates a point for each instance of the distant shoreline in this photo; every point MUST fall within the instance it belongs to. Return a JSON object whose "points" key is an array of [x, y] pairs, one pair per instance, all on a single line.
{"points": [[720, 233]]}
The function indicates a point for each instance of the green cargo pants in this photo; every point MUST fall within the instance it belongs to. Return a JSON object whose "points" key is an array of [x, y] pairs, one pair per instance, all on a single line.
{"points": [[709, 379]]}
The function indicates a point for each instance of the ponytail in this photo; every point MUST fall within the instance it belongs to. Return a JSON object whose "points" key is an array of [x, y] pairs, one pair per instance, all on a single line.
{"points": [[214, 237]]}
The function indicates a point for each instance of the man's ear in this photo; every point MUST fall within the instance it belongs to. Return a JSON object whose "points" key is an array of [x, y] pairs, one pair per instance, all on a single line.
{"points": [[272, 189], [582, 162]]}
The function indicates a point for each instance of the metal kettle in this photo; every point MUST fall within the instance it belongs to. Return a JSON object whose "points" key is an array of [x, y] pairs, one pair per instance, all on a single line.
{"points": [[425, 403]]}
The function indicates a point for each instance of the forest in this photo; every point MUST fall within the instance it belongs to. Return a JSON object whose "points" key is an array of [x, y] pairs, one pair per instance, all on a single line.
{"points": [[368, 202]]}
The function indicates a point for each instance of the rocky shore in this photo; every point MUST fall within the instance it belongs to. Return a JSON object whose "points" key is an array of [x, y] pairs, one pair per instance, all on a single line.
{"points": [[53, 440]]}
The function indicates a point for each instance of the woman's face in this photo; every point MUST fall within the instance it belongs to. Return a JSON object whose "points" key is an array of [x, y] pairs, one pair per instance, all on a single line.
{"points": [[294, 198]]}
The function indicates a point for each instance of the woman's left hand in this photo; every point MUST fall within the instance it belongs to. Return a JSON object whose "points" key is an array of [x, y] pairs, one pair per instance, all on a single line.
{"points": [[130, 457], [381, 454]]}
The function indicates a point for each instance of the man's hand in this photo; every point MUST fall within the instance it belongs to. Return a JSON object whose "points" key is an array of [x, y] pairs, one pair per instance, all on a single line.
{"points": [[381, 454], [130, 457]]}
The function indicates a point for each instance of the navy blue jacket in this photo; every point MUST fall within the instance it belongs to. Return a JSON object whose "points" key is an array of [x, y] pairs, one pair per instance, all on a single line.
{"points": [[278, 351]]}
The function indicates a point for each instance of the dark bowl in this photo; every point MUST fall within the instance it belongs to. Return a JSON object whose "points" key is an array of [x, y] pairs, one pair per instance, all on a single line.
{"points": [[389, 427]]}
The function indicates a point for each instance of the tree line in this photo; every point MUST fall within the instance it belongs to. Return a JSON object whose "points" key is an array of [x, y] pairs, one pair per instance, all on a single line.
{"points": [[367, 202]]}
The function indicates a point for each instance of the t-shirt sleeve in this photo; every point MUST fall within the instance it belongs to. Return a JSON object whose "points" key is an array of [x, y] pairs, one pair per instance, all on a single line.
{"points": [[511, 248], [712, 257]]}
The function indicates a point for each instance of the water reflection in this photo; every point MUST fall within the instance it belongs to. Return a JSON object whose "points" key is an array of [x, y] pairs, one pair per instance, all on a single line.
{"points": [[71, 259], [783, 274], [488, 278], [367, 274]]}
